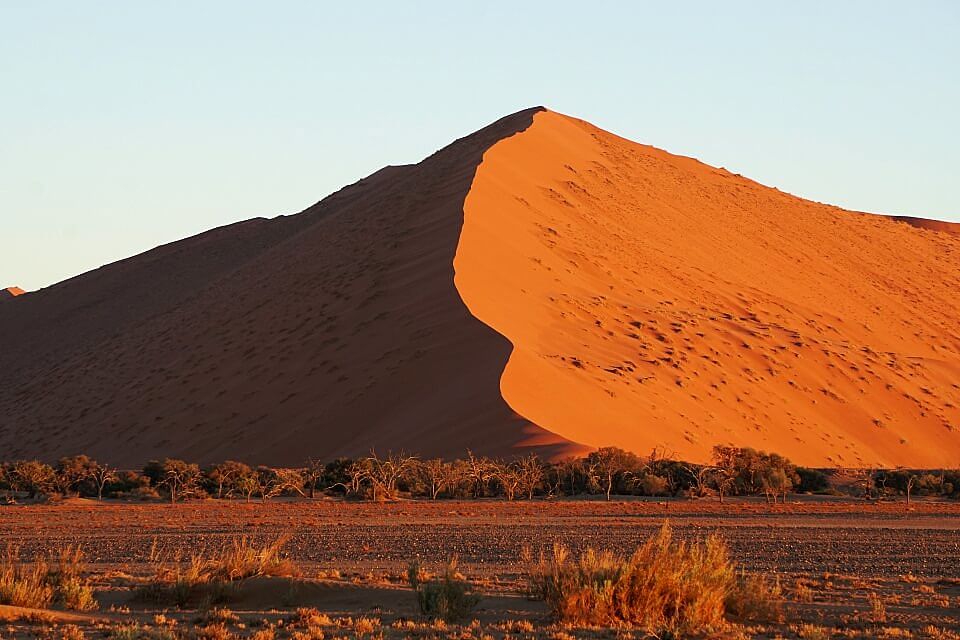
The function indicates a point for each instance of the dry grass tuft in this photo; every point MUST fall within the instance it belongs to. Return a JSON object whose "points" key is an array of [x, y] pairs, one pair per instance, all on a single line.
{"points": [[208, 579], [43, 583], [448, 598], [664, 587]]}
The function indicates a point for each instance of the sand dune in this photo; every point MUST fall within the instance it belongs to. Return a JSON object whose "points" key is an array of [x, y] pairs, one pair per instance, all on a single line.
{"points": [[11, 292], [654, 301], [321, 334], [539, 285]]}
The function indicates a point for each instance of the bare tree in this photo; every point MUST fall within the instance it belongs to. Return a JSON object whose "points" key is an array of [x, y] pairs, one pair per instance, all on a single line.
{"points": [[101, 476], [312, 474], [911, 483], [386, 472], [508, 476], [436, 475], [530, 471], [357, 475], [275, 482], [606, 464], [479, 472]]}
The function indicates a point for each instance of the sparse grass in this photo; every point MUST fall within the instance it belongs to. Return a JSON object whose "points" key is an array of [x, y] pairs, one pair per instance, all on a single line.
{"points": [[755, 598], [447, 598], [802, 591], [24, 585], [42, 583], [878, 610], [663, 587], [807, 631], [136, 631], [209, 580]]}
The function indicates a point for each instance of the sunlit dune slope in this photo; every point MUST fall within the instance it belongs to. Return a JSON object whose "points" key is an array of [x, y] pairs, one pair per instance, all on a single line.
{"points": [[326, 333], [654, 301]]}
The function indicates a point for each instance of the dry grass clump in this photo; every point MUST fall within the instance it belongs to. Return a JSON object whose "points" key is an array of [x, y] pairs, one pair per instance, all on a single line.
{"points": [[755, 598], [449, 597], [665, 586], [44, 583], [243, 559], [208, 579], [136, 631]]}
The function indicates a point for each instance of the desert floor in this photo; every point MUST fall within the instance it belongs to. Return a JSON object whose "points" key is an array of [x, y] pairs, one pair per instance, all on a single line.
{"points": [[848, 568]]}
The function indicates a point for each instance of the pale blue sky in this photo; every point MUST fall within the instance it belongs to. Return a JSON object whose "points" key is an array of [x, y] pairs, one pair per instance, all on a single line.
{"points": [[130, 124]]}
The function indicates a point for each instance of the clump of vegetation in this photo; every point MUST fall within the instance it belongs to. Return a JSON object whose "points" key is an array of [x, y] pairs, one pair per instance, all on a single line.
{"points": [[448, 597], [665, 586], [210, 579], [45, 583]]}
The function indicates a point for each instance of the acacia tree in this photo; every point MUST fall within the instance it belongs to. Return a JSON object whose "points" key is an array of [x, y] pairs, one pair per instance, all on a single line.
{"points": [[32, 476], [509, 478], [224, 478], [569, 470], [101, 476], [530, 472], [274, 482], [606, 465], [312, 474], [436, 476], [479, 471], [72, 472], [386, 472], [356, 475], [179, 479]]}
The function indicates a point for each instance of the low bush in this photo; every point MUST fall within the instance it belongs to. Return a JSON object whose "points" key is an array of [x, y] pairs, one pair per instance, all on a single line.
{"points": [[664, 587], [447, 598]]}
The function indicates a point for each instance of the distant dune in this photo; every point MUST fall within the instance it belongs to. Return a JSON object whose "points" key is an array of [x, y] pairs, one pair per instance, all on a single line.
{"points": [[539, 285], [11, 292]]}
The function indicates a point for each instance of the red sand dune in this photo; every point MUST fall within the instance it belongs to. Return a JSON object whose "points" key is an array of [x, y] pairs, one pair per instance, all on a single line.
{"points": [[650, 301], [11, 292]]}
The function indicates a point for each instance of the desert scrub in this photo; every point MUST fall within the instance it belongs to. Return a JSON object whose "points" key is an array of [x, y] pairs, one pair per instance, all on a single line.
{"points": [[44, 583], [210, 579], [665, 586], [447, 598]]}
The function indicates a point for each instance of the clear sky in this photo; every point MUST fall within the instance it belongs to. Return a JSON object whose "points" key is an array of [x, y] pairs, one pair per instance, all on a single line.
{"points": [[127, 124]]}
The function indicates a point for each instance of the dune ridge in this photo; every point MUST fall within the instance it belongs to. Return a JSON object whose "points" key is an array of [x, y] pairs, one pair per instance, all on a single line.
{"points": [[653, 301], [11, 292], [540, 285], [323, 334]]}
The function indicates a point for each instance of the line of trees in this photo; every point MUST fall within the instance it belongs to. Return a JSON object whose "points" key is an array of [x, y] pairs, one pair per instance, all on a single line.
{"points": [[607, 471]]}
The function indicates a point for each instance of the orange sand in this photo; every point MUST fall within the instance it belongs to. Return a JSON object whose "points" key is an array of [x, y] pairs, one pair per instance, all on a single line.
{"points": [[654, 301], [650, 300]]}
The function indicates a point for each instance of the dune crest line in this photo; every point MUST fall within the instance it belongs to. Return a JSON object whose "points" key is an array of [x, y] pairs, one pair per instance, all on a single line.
{"points": [[655, 301]]}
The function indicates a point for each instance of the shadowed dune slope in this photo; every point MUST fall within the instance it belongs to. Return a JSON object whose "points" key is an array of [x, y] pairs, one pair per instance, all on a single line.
{"points": [[321, 334], [654, 301], [10, 292]]}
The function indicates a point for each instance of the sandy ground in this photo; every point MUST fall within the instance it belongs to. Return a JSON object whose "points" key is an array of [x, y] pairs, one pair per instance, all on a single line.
{"points": [[834, 559]]}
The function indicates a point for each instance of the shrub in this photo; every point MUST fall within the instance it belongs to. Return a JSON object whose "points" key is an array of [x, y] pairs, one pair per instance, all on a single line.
{"points": [[663, 587], [448, 597], [811, 480]]}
